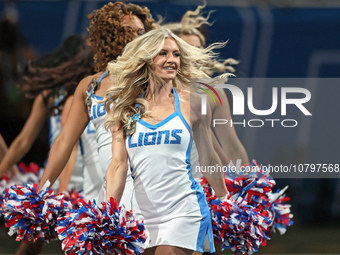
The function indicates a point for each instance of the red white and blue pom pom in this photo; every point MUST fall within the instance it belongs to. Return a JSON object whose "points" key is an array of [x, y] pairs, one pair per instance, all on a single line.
{"points": [[32, 215], [5, 178], [31, 168], [73, 198], [31, 173], [282, 217], [99, 229], [253, 187], [238, 225]]}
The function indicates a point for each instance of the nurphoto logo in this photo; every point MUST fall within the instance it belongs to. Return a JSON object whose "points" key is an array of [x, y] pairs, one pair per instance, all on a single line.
{"points": [[295, 96]]}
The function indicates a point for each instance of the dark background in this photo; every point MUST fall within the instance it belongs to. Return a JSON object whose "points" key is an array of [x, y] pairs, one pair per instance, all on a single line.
{"points": [[294, 39]]}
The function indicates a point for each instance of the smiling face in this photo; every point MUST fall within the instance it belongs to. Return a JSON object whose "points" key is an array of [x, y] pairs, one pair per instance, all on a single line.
{"points": [[134, 23], [167, 61]]}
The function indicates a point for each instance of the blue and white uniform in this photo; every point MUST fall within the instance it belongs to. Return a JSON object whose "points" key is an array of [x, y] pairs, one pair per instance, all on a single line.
{"points": [[104, 142], [171, 202], [93, 176]]}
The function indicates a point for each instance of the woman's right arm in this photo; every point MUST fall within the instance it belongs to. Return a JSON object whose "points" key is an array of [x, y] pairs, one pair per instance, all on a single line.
{"points": [[117, 170], [23, 142], [70, 133], [65, 175]]}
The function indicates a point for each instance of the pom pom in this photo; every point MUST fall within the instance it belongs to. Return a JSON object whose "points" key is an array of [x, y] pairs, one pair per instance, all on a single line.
{"points": [[32, 215], [5, 182], [5, 178], [73, 198], [282, 217], [238, 226], [105, 228], [253, 186], [31, 168], [31, 173]]}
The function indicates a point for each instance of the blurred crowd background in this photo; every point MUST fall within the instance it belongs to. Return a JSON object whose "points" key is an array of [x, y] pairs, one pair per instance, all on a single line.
{"points": [[281, 39]]}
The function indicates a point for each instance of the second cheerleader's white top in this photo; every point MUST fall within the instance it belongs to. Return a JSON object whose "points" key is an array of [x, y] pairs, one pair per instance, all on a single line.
{"points": [[172, 203], [103, 137], [104, 142]]}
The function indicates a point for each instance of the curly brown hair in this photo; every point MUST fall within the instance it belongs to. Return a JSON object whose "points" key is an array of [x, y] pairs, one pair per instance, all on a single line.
{"points": [[107, 37]]}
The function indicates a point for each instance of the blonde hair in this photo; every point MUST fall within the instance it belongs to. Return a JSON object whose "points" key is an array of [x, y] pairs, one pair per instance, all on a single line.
{"points": [[191, 24], [131, 72]]}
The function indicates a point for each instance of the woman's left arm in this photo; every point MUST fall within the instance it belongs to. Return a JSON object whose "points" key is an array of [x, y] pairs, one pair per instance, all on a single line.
{"points": [[226, 134]]}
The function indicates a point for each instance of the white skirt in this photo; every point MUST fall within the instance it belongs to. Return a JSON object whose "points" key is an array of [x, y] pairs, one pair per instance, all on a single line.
{"points": [[179, 227]]}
